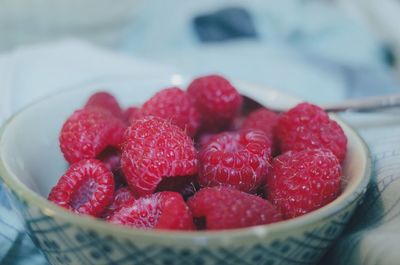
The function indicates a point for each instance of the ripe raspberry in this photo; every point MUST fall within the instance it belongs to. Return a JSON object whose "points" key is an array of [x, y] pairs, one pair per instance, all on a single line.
{"points": [[303, 181], [86, 188], [105, 101], [308, 126], [163, 210], [88, 132], [174, 105], [263, 120], [154, 149], [227, 208], [122, 196], [216, 99], [239, 160], [131, 114]]}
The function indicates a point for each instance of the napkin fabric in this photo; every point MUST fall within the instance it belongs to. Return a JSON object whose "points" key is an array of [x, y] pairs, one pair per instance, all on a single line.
{"points": [[373, 235]]}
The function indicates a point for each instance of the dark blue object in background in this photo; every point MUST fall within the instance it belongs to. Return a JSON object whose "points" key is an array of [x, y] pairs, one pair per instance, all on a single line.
{"points": [[225, 24]]}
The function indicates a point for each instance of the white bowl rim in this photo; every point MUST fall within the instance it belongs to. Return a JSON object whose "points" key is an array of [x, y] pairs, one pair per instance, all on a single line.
{"points": [[217, 237]]}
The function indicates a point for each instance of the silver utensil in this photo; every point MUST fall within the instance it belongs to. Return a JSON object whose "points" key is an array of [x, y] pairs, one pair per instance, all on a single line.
{"points": [[368, 104]]}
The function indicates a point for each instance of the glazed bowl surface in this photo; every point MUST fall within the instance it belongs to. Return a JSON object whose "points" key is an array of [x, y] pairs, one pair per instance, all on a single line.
{"points": [[31, 163]]}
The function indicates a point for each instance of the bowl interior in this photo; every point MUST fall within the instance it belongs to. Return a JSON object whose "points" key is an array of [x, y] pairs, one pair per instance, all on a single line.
{"points": [[30, 150]]}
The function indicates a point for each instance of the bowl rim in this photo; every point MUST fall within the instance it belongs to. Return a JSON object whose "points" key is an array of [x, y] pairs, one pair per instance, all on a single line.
{"points": [[216, 237]]}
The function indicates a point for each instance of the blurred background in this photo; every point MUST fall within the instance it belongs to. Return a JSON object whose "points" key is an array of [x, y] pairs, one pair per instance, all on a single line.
{"points": [[321, 50]]}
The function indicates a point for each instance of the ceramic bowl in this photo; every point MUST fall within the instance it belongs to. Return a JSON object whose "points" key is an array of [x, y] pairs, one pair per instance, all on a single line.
{"points": [[31, 163]]}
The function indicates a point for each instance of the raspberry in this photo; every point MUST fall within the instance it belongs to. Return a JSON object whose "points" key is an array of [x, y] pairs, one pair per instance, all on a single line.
{"points": [[105, 101], [131, 114], [216, 99], [227, 208], [174, 105], [263, 120], [154, 149], [88, 132], [163, 210], [86, 188], [122, 196], [300, 182], [308, 126], [239, 160]]}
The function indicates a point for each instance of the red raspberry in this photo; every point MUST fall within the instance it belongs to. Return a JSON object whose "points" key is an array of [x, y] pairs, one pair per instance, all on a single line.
{"points": [[154, 149], [309, 126], [122, 196], [131, 114], [263, 120], [266, 121], [88, 132], [86, 188], [216, 99], [227, 208], [163, 210], [174, 105], [301, 182], [239, 160], [105, 101]]}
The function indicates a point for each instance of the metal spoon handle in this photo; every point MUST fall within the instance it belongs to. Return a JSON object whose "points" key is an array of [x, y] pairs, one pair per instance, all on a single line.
{"points": [[366, 104]]}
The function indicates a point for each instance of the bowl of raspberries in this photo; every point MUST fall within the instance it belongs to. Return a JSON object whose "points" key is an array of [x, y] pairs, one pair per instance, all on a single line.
{"points": [[144, 172]]}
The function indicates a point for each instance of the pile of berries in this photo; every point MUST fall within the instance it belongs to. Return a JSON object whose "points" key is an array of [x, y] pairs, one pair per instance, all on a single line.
{"points": [[201, 159]]}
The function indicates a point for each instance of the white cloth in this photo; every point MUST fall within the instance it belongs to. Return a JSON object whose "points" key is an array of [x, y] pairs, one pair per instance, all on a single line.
{"points": [[103, 21], [34, 71], [380, 15]]}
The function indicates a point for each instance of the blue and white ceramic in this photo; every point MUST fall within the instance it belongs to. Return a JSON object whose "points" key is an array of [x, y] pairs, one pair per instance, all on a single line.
{"points": [[31, 163]]}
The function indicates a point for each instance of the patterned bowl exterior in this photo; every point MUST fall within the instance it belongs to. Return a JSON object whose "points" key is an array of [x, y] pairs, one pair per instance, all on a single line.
{"points": [[65, 238], [67, 243]]}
